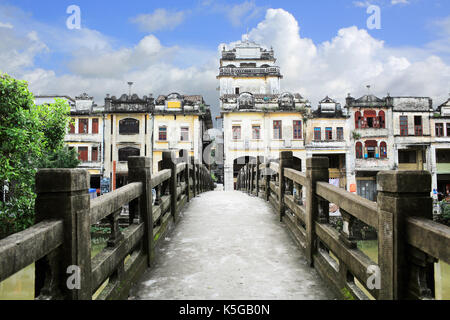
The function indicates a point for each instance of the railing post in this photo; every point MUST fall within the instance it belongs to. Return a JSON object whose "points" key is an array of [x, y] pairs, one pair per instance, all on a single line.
{"points": [[169, 162], [404, 270], [194, 177], [286, 161], [258, 174], [251, 178], [139, 170], [267, 179], [316, 170], [64, 194], [187, 178]]}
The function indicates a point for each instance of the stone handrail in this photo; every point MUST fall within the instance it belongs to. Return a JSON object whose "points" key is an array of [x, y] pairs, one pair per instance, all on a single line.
{"points": [[409, 242], [60, 242]]}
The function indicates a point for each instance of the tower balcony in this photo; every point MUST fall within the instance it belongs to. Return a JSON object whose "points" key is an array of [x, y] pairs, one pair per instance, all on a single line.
{"points": [[250, 72]]}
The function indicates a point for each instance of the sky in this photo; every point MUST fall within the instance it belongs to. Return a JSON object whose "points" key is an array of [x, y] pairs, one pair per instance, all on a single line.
{"points": [[324, 47]]}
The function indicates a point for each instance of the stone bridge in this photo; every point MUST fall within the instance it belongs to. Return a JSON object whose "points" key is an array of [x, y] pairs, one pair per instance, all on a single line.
{"points": [[271, 239]]}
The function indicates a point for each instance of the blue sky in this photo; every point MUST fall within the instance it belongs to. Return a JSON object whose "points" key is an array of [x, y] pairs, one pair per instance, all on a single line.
{"points": [[137, 39]]}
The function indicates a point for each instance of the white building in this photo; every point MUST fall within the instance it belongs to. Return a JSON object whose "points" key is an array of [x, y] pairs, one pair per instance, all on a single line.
{"points": [[258, 120]]}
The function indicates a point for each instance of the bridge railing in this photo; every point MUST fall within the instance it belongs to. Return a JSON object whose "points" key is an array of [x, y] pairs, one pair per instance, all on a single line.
{"points": [[60, 242], [409, 242]]}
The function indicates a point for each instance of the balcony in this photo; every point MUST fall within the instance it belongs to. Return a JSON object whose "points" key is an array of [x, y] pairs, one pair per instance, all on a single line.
{"points": [[249, 72]]}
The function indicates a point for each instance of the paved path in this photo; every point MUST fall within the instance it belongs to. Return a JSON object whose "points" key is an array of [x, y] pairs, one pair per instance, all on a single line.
{"points": [[230, 246]]}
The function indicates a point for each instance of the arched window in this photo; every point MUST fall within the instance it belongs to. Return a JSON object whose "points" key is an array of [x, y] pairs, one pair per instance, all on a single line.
{"points": [[357, 118], [383, 150], [371, 147], [127, 152], [129, 126], [382, 119], [359, 154], [371, 118]]}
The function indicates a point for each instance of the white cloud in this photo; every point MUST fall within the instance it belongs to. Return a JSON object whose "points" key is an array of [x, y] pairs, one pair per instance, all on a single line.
{"points": [[6, 25], [394, 2], [344, 64], [348, 62], [160, 19]]}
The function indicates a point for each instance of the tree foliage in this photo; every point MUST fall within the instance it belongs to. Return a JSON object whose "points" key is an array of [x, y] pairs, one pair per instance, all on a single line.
{"points": [[31, 137]]}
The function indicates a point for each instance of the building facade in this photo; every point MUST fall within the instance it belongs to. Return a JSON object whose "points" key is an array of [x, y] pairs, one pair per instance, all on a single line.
{"points": [[180, 122], [128, 131], [86, 136], [327, 133], [258, 119], [440, 151]]}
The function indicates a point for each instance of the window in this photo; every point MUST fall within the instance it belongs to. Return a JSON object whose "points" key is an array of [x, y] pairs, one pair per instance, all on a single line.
{"points": [[383, 150], [298, 130], [443, 156], [340, 134], [407, 156], [162, 133], [403, 125], [371, 149], [129, 126], [127, 152], [418, 130], [448, 129], [439, 129], [83, 126], [317, 134], [72, 126], [236, 91], [357, 119], [256, 132], [95, 126], [329, 134], [371, 120], [184, 134], [277, 133], [236, 132], [83, 154], [382, 119], [94, 155], [359, 153]]}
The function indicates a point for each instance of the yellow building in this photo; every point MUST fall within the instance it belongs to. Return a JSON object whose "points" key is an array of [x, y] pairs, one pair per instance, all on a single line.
{"points": [[179, 123]]}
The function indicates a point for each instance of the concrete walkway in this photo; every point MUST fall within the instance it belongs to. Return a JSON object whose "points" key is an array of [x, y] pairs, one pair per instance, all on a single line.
{"points": [[230, 246]]}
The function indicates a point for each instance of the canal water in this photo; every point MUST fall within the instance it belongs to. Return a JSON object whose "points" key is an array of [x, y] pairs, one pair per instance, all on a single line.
{"points": [[21, 285], [441, 270]]}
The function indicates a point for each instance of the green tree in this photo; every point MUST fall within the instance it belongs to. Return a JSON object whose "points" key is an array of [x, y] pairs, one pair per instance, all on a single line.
{"points": [[31, 137], [54, 120]]}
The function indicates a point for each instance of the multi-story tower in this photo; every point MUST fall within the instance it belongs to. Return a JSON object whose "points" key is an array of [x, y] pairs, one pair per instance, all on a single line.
{"points": [[180, 122], [327, 135], [258, 120]]}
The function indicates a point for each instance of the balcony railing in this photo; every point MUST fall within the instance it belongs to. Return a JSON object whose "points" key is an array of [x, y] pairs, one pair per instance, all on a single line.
{"points": [[225, 71]]}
